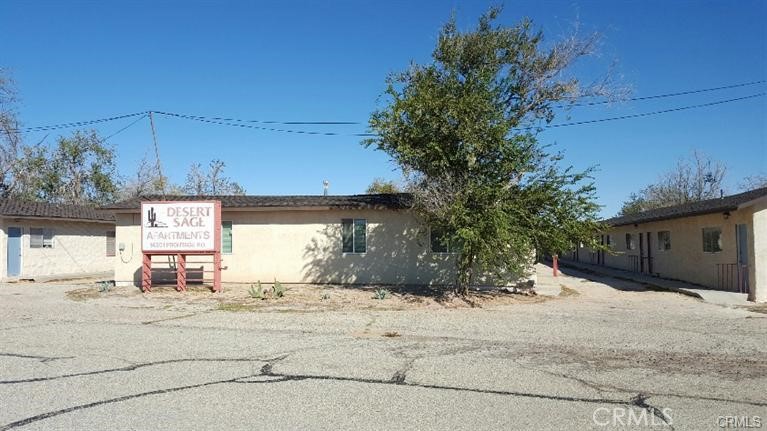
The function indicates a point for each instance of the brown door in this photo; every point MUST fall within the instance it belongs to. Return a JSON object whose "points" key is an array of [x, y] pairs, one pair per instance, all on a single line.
{"points": [[641, 252]]}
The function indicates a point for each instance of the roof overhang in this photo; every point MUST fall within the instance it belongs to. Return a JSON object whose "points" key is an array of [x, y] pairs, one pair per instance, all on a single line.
{"points": [[280, 208], [63, 219]]}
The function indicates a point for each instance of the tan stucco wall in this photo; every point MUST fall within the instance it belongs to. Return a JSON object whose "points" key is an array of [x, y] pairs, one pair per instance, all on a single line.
{"points": [[686, 260], [79, 248], [302, 246], [759, 252]]}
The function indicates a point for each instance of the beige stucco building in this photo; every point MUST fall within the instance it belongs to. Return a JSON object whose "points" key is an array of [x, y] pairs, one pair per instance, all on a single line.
{"points": [[42, 241], [717, 243], [361, 239]]}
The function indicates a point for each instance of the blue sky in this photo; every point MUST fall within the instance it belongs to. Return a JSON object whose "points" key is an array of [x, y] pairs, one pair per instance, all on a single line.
{"points": [[327, 61]]}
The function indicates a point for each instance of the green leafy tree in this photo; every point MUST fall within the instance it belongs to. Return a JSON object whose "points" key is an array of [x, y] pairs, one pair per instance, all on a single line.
{"points": [[81, 170], [380, 186], [634, 205], [463, 130]]}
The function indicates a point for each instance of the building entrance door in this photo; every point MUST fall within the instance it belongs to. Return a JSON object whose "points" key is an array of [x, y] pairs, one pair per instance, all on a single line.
{"points": [[741, 240], [13, 251]]}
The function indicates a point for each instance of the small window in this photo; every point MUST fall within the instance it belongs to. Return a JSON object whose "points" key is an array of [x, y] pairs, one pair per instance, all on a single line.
{"points": [[609, 240], [712, 239], [630, 245], [40, 238], [440, 244], [226, 237], [110, 243], [354, 235], [664, 240]]}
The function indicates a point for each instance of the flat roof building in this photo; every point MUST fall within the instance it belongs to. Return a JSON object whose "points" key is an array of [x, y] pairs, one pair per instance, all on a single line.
{"points": [[356, 239], [717, 243], [42, 240]]}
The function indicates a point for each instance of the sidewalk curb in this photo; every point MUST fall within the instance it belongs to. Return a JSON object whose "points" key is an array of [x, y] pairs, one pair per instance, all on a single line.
{"points": [[648, 286], [657, 288]]}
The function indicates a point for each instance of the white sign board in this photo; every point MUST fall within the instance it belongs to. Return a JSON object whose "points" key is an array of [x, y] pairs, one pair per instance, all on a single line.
{"points": [[178, 226]]}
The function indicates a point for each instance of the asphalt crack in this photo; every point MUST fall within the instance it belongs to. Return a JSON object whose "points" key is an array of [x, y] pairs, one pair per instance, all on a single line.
{"points": [[126, 368], [640, 400], [267, 370], [400, 375], [36, 418], [39, 358]]}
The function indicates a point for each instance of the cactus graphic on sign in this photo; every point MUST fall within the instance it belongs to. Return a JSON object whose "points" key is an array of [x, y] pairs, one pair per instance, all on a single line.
{"points": [[151, 217]]}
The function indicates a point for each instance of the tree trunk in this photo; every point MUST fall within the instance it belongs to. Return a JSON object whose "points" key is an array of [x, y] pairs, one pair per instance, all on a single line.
{"points": [[465, 273]]}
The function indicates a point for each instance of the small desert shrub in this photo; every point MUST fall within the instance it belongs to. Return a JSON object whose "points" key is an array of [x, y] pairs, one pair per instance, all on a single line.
{"points": [[381, 294], [325, 296], [105, 286], [255, 291], [279, 289]]}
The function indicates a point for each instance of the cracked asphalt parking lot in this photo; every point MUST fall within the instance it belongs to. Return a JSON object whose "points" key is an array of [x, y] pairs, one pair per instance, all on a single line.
{"points": [[581, 361]]}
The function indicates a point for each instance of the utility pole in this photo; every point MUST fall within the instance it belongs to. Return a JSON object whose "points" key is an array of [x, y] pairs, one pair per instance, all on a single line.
{"points": [[157, 154]]}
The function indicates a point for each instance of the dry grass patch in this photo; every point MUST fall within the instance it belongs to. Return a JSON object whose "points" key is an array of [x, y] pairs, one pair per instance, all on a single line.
{"points": [[567, 291], [761, 308], [300, 298], [307, 297], [83, 294]]}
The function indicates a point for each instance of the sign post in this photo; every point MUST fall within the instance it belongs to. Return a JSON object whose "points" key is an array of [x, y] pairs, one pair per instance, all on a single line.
{"points": [[180, 229]]}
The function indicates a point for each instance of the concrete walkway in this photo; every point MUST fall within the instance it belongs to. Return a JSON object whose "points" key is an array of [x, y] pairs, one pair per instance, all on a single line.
{"points": [[713, 296]]}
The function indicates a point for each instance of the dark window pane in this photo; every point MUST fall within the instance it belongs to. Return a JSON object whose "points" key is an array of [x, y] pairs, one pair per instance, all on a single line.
{"points": [[712, 239], [438, 243], [360, 238], [347, 236], [110, 243], [664, 240]]}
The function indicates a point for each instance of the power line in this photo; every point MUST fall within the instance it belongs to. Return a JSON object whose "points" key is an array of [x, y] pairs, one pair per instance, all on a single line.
{"points": [[250, 126], [117, 132], [661, 96], [549, 126], [644, 114], [125, 128], [290, 123], [77, 123]]}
